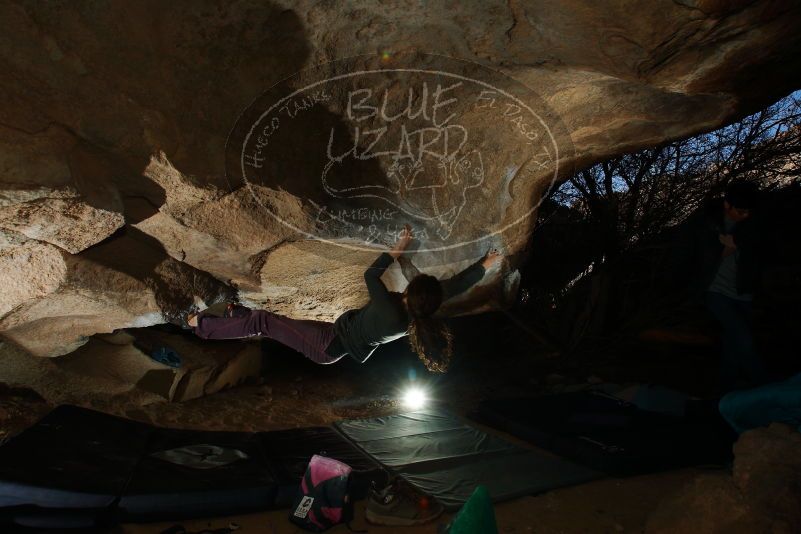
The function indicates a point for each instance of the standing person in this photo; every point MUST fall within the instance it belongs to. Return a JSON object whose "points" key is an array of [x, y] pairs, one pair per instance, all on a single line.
{"points": [[725, 248], [357, 333]]}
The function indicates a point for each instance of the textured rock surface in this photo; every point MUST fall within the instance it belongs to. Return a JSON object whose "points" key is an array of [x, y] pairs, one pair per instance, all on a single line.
{"points": [[117, 284], [123, 359], [762, 495], [28, 270], [67, 223], [119, 112]]}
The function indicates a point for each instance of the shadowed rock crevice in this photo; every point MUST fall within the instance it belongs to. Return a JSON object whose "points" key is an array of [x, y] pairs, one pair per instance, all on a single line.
{"points": [[176, 286]]}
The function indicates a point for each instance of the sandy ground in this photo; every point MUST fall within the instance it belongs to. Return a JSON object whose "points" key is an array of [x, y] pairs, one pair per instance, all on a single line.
{"points": [[296, 393], [613, 505]]}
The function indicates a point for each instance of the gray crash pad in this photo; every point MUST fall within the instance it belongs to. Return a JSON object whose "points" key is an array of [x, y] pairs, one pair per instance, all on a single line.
{"points": [[447, 457]]}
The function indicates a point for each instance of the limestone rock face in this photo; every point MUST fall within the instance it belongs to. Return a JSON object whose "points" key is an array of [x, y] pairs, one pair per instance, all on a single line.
{"points": [[762, 495], [67, 223], [28, 270], [124, 359], [127, 128], [117, 284]]}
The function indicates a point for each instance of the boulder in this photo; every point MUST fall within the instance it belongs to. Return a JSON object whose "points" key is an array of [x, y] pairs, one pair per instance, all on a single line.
{"points": [[123, 283], [139, 115], [28, 270], [68, 223], [125, 358]]}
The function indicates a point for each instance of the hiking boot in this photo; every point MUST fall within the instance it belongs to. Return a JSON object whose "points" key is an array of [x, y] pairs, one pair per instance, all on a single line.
{"points": [[399, 504]]}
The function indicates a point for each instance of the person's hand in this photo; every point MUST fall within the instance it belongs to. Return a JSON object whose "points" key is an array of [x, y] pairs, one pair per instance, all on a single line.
{"points": [[727, 240], [404, 238], [492, 257]]}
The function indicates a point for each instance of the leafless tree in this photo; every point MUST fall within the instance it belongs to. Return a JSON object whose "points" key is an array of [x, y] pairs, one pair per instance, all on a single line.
{"points": [[624, 204]]}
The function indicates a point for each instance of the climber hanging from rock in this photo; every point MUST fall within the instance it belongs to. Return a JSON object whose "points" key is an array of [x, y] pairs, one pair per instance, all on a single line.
{"points": [[357, 333]]}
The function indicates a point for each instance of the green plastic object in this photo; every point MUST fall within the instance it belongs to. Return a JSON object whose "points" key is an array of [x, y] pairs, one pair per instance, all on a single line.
{"points": [[477, 515]]}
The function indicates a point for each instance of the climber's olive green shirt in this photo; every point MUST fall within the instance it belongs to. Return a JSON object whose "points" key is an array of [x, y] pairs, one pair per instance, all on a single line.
{"points": [[384, 318]]}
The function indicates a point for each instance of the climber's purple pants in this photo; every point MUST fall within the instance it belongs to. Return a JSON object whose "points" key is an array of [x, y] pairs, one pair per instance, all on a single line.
{"points": [[310, 338]]}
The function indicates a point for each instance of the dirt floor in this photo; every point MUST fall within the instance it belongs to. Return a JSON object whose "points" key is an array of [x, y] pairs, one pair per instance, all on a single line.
{"points": [[613, 505], [296, 393]]}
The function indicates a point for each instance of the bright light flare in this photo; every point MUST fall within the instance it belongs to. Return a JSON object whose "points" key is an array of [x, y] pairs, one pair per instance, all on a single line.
{"points": [[414, 398]]}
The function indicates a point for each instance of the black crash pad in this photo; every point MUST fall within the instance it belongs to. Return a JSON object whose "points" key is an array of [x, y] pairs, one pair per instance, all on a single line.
{"points": [[609, 434], [81, 468]]}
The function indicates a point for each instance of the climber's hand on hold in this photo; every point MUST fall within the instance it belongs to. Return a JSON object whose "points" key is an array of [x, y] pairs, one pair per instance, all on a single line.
{"points": [[492, 258], [404, 239]]}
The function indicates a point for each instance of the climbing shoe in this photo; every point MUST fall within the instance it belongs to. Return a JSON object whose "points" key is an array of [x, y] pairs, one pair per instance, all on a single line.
{"points": [[236, 310], [182, 319], [399, 504]]}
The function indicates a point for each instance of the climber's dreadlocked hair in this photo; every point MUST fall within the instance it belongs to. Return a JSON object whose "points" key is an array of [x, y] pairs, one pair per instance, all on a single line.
{"points": [[430, 337]]}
